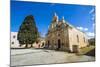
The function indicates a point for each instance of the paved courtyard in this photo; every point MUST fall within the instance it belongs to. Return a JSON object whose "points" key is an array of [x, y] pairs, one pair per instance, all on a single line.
{"points": [[43, 56]]}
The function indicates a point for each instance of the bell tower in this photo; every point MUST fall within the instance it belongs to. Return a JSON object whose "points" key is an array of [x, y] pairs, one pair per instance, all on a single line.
{"points": [[54, 21], [63, 19], [55, 18]]}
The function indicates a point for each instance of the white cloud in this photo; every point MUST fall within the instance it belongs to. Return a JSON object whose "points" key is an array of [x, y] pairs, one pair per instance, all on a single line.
{"points": [[82, 29], [85, 29], [90, 34]]}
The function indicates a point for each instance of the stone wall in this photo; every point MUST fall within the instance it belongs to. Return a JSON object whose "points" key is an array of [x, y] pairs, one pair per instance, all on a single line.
{"points": [[14, 42], [78, 38]]}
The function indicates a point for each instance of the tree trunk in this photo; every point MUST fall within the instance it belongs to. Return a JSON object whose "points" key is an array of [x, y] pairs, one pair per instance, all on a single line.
{"points": [[26, 46], [31, 45], [20, 45]]}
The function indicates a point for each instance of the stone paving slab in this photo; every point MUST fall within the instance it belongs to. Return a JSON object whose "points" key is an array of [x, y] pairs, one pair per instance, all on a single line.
{"points": [[23, 51], [40, 56]]}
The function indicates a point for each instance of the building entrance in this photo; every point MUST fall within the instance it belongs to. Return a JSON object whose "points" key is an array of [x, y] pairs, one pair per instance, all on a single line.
{"points": [[59, 44]]}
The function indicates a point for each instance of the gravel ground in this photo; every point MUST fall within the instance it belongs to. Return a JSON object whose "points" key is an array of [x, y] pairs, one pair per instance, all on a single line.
{"points": [[41, 56]]}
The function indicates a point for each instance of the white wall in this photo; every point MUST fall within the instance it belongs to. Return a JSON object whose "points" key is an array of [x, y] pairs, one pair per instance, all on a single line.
{"points": [[16, 43]]}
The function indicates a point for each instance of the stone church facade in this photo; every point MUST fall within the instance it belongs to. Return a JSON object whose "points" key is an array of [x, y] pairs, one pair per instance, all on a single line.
{"points": [[63, 36]]}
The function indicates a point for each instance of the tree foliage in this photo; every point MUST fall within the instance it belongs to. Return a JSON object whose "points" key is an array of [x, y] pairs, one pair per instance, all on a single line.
{"points": [[28, 32]]}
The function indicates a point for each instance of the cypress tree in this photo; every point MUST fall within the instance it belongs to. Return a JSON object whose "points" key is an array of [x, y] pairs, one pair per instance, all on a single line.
{"points": [[28, 32]]}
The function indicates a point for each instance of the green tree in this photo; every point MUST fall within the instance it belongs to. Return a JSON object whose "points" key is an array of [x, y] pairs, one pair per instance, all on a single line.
{"points": [[28, 32]]}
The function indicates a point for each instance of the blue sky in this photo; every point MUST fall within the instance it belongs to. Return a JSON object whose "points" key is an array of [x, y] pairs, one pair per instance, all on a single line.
{"points": [[80, 16]]}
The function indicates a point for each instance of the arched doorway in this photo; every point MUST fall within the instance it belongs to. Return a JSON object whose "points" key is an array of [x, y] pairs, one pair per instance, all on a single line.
{"points": [[59, 44]]}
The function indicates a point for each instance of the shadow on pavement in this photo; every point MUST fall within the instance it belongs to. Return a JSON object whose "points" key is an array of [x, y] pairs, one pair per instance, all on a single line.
{"points": [[91, 53]]}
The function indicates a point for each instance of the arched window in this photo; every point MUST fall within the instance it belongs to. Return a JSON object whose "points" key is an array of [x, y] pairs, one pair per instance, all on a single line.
{"points": [[84, 39], [77, 38], [12, 43], [58, 34], [14, 36]]}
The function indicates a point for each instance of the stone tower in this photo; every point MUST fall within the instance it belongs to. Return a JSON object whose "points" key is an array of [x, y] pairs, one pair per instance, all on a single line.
{"points": [[54, 21]]}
